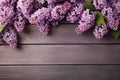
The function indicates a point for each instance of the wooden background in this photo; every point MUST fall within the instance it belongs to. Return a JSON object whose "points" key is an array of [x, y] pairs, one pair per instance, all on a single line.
{"points": [[63, 55]]}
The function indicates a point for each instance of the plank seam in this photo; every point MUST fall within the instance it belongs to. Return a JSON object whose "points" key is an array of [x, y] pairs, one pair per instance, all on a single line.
{"points": [[67, 44], [58, 64]]}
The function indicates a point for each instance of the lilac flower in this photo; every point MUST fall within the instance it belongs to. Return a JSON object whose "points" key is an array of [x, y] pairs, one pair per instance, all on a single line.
{"points": [[112, 18], [19, 22], [100, 31], [51, 1], [100, 4], [117, 6], [10, 37], [41, 1], [12, 2], [82, 27], [45, 12], [41, 19], [40, 15], [86, 22], [25, 6], [6, 14], [75, 12], [3, 2], [73, 1], [37, 4], [54, 1], [7, 2], [58, 13], [113, 24]]}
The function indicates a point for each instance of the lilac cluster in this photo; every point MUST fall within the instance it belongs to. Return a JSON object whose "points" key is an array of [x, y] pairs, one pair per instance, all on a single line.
{"points": [[110, 9], [100, 31], [25, 6], [10, 36], [58, 13], [40, 18], [86, 21], [6, 14], [19, 21], [15, 14], [75, 13], [115, 4], [100, 4], [111, 17]]}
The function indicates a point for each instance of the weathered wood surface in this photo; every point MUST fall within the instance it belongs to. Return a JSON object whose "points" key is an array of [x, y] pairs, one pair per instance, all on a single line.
{"points": [[63, 55], [82, 72]]}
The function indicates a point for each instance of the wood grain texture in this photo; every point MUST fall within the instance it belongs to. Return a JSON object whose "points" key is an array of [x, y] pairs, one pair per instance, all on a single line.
{"points": [[101, 72], [61, 54], [64, 33]]}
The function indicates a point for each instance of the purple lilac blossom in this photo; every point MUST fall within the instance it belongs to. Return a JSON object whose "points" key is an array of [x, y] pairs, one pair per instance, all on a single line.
{"points": [[19, 22], [75, 13], [25, 6], [6, 14], [41, 19], [73, 1], [100, 31], [115, 4], [112, 18], [86, 22], [40, 15], [7, 2], [45, 12], [58, 13], [100, 4], [10, 37]]}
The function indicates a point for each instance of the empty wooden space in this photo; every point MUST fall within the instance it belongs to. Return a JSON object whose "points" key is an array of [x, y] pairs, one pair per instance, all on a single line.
{"points": [[62, 55], [80, 72]]}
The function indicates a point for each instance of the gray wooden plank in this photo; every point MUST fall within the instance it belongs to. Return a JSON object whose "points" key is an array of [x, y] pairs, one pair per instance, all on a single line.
{"points": [[94, 72], [64, 33], [61, 54]]}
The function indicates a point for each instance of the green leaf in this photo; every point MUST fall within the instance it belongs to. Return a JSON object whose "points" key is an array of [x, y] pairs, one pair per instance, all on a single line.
{"points": [[1, 28], [89, 5], [100, 19], [116, 34]]}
